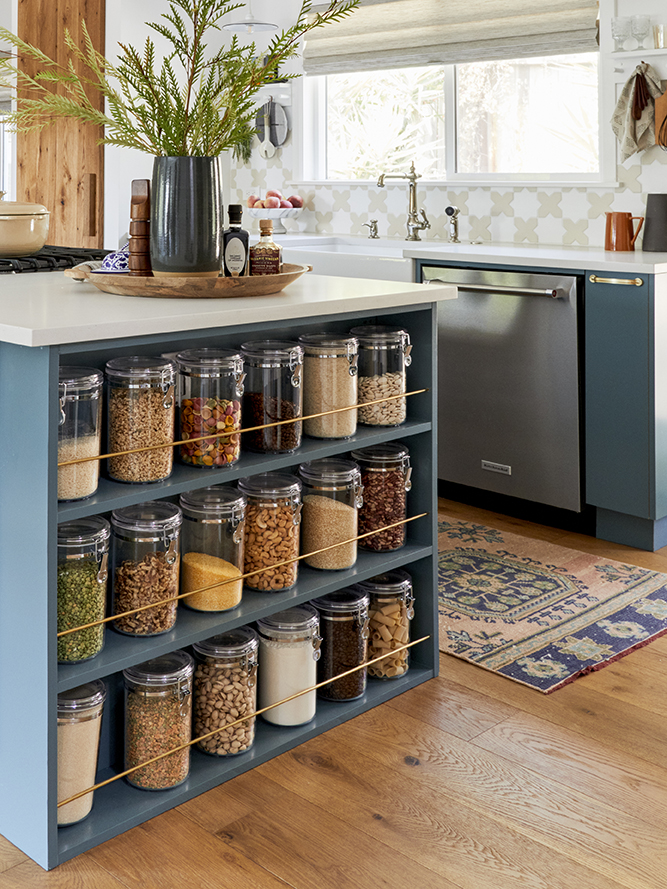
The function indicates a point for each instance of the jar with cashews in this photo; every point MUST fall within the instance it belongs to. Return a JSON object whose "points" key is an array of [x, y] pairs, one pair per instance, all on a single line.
{"points": [[390, 611]]}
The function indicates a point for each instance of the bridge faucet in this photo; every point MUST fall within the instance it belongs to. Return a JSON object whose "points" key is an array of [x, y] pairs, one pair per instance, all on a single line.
{"points": [[414, 224]]}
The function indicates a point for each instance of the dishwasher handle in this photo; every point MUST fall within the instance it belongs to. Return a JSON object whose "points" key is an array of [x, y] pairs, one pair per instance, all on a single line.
{"points": [[552, 293]]}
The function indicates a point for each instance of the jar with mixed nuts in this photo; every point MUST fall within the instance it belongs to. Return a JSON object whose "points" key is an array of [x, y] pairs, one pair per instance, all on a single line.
{"points": [[385, 475], [384, 354], [158, 712], [79, 723], [329, 382], [390, 611], [145, 567], [226, 691], [83, 552], [209, 393], [212, 543], [273, 520], [79, 430], [140, 414], [273, 393], [344, 631]]}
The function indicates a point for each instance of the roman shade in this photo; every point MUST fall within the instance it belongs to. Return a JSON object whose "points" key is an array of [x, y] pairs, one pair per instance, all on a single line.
{"points": [[406, 33]]}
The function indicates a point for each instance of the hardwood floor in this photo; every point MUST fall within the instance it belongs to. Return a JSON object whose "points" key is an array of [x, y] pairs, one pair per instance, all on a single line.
{"points": [[470, 781]]}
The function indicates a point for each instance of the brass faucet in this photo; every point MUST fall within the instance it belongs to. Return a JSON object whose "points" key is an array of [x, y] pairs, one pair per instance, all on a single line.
{"points": [[414, 224]]}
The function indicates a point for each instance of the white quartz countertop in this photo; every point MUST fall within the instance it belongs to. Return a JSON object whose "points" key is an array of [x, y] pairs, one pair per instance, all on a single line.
{"points": [[48, 308]]}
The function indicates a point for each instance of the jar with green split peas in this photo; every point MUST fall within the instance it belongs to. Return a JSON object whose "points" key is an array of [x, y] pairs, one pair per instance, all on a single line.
{"points": [[344, 630], [145, 566], [273, 393], [390, 610], [158, 711], [329, 383], [79, 723], [83, 548], [210, 387], [386, 477], [79, 430], [384, 355]]}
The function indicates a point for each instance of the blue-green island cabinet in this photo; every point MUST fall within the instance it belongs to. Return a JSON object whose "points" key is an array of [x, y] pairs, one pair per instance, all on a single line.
{"points": [[30, 513]]}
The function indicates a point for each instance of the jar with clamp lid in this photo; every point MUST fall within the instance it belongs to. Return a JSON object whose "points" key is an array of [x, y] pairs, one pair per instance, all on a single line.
{"points": [[83, 552], [140, 414], [329, 383], [79, 723], [226, 691], [385, 475], [344, 631], [390, 611], [332, 495], [145, 567], [79, 431], [273, 394], [212, 538], [384, 354], [289, 648], [209, 394], [273, 521], [158, 713]]}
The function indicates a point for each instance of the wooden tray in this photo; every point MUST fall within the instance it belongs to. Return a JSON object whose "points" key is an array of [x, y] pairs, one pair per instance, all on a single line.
{"points": [[193, 288]]}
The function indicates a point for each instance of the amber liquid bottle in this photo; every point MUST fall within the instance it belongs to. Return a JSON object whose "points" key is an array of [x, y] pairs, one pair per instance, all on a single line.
{"points": [[235, 245], [266, 257]]}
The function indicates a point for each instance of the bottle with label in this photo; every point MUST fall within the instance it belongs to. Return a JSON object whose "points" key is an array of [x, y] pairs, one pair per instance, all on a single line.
{"points": [[266, 256], [235, 245]]}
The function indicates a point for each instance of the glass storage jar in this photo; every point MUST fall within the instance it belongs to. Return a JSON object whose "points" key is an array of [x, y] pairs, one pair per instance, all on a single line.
{"points": [[140, 414], [226, 691], [332, 495], [212, 547], [79, 430], [83, 553], [390, 611], [158, 711], [385, 475], [272, 393], [344, 631], [329, 382], [79, 723], [289, 648], [210, 386], [384, 354], [145, 566], [273, 520]]}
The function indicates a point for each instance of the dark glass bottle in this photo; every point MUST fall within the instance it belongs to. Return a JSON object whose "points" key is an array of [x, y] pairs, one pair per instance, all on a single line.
{"points": [[235, 245]]}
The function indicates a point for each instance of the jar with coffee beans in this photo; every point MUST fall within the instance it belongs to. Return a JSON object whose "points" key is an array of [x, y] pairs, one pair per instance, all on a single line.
{"points": [[273, 395], [344, 630]]}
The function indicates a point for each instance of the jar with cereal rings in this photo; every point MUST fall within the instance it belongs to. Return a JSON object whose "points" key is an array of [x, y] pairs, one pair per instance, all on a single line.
{"points": [[273, 394], [225, 691], [329, 383], [384, 354], [390, 611], [210, 390], [385, 475], [273, 521]]}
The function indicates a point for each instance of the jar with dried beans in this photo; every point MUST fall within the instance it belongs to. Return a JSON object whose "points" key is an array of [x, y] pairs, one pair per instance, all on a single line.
{"points": [[386, 477]]}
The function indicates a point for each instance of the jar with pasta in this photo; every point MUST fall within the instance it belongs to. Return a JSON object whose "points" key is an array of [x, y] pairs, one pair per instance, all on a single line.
{"points": [[344, 630], [79, 723], [385, 475], [329, 383], [273, 397], [384, 355], [140, 414], [79, 431], [390, 611], [212, 542]]}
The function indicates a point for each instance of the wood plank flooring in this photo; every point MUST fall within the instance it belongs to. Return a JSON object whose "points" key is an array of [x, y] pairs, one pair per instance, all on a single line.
{"points": [[469, 781]]}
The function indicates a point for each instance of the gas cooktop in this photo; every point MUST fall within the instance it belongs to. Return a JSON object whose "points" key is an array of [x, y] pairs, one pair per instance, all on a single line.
{"points": [[49, 259]]}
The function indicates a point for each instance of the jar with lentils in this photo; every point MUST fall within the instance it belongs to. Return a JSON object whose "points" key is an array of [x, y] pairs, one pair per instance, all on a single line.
{"points": [[385, 475], [329, 383], [273, 394], [145, 567], [140, 414], [344, 631], [226, 692], [384, 354], [212, 537], [158, 714], [210, 386], [79, 430], [390, 611], [273, 521]]}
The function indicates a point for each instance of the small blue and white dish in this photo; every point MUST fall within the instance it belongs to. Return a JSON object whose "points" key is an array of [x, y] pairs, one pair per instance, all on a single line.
{"points": [[115, 263]]}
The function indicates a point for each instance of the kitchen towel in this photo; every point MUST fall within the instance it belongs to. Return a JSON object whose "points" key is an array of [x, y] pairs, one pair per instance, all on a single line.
{"points": [[637, 134]]}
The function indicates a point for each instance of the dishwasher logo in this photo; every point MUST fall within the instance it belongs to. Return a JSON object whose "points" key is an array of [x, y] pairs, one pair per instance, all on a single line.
{"points": [[490, 466]]}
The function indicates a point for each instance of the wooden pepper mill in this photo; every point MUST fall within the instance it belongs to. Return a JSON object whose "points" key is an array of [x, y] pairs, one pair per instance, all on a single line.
{"points": [[139, 259]]}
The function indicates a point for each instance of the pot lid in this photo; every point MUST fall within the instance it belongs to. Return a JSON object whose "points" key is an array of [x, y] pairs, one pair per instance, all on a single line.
{"points": [[21, 208]]}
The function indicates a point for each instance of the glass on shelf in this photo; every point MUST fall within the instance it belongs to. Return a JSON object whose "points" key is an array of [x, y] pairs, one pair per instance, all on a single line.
{"points": [[641, 28], [620, 31]]}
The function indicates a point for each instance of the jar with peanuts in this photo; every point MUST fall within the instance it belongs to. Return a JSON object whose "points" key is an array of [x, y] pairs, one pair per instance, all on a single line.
{"points": [[273, 394], [390, 611], [79, 430], [212, 537], [140, 414], [385, 475], [225, 692], [210, 387], [329, 383], [145, 567], [384, 354], [273, 521], [344, 630]]}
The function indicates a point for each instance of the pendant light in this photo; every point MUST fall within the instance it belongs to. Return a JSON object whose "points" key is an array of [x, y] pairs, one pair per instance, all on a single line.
{"points": [[250, 24]]}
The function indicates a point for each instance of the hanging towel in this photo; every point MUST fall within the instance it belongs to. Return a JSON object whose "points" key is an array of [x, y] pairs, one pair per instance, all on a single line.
{"points": [[633, 121]]}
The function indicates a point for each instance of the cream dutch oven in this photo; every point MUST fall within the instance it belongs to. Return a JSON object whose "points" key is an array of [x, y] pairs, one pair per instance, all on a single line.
{"points": [[23, 228]]}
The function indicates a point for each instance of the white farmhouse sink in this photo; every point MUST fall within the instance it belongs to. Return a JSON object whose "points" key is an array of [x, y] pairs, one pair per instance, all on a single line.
{"points": [[350, 257]]}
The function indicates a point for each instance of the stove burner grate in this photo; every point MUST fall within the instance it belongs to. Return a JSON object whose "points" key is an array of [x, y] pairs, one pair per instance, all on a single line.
{"points": [[49, 259]]}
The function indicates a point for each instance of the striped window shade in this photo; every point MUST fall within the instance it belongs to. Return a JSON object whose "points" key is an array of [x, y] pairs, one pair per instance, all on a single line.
{"points": [[383, 34]]}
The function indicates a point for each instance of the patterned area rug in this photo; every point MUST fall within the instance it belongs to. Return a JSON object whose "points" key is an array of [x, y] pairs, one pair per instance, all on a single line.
{"points": [[539, 613]]}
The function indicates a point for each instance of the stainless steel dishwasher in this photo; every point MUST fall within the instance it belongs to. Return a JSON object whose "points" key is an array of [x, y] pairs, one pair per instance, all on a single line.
{"points": [[508, 384]]}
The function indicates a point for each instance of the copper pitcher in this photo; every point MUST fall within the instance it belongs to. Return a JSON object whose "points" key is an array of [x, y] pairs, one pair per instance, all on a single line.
{"points": [[620, 233]]}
